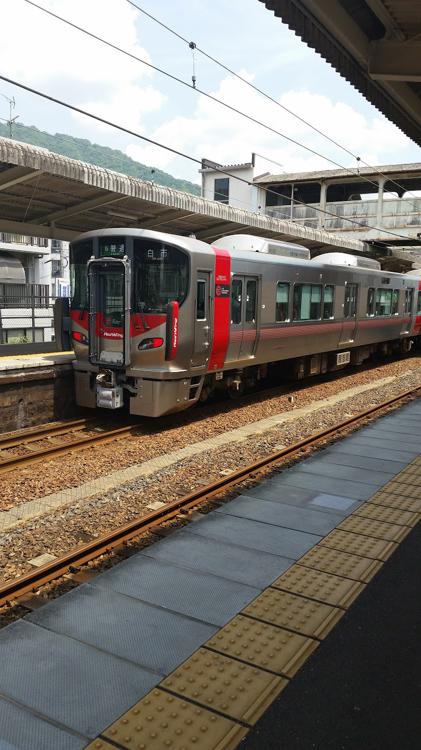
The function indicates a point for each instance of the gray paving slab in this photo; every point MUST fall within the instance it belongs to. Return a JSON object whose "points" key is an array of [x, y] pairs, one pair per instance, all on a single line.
{"points": [[382, 437], [299, 519], [383, 440], [408, 432], [255, 535], [366, 462], [203, 596], [326, 468], [22, 730], [318, 483], [219, 558], [334, 502], [272, 491], [403, 419], [125, 627], [79, 687], [372, 452]]}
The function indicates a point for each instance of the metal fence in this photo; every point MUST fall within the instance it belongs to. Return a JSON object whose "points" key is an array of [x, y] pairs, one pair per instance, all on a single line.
{"points": [[24, 295]]}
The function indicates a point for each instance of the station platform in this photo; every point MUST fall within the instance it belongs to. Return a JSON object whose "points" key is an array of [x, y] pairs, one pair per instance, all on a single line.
{"points": [[35, 388], [189, 642], [27, 361]]}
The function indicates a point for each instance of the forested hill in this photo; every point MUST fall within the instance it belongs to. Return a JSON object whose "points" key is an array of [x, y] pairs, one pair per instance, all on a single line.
{"points": [[102, 156]]}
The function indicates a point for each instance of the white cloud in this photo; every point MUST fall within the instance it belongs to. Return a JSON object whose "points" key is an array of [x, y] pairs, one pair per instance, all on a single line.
{"points": [[214, 132], [62, 60]]}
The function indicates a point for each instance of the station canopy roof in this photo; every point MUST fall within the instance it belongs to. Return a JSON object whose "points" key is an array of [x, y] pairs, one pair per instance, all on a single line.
{"points": [[44, 194], [374, 44]]}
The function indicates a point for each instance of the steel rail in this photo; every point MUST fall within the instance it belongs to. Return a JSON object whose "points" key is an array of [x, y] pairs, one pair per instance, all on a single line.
{"points": [[10, 463], [38, 433], [106, 543]]}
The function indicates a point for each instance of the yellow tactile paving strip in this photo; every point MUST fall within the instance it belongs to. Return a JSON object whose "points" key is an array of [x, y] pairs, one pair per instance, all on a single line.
{"points": [[357, 544], [263, 645], [161, 720], [237, 690], [323, 587], [100, 744], [373, 528], [390, 515], [296, 613], [341, 563], [211, 700]]}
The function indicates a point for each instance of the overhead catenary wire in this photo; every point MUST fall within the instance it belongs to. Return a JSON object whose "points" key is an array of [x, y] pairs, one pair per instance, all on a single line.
{"points": [[195, 88], [272, 99], [177, 152]]}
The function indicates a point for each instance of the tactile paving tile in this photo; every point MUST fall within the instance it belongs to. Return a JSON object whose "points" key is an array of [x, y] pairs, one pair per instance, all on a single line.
{"points": [[161, 720], [390, 515], [305, 616], [356, 544], [324, 587], [378, 529], [404, 489], [100, 744], [263, 645], [238, 690], [341, 563], [394, 499], [411, 475]]}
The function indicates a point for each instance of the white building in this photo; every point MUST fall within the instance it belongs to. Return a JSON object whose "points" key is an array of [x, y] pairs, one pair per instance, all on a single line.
{"points": [[237, 190], [33, 272]]}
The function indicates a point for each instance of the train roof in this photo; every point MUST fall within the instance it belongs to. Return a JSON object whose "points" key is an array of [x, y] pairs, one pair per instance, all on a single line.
{"points": [[253, 248]]}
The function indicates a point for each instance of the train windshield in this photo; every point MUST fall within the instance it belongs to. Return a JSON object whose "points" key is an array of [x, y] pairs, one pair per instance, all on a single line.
{"points": [[79, 256], [161, 275]]}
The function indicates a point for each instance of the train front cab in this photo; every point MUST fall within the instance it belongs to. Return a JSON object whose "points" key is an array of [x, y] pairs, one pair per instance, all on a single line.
{"points": [[133, 301]]}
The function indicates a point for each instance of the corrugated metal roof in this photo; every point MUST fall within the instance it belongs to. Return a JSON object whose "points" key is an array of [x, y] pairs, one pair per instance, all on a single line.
{"points": [[400, 102], [350, 174], [49, 195]]}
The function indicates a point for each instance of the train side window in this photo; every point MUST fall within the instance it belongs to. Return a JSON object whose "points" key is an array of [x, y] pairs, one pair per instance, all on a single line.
{"points": [[419, 303], [307, 302], [201, 300], [409, 299], [395, 302], [383, 301], [282, 302], [370, 301], [350, 304], [251, 298], [236, 300], [329, 292]]}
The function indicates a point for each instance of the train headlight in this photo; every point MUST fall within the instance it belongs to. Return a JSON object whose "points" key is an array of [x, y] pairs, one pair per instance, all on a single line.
{"points": [[79, 337], [154, 343]]}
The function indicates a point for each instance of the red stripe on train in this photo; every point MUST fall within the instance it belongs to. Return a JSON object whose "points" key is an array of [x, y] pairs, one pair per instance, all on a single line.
{"points": [[222, 308]]}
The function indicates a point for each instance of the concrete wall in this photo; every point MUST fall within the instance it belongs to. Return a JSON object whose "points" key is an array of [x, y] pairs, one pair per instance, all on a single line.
{"points": [[35, 396]]}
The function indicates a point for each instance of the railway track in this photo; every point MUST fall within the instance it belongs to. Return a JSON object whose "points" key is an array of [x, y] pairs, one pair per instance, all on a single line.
{"points": [[34, 445], [12, 591]]}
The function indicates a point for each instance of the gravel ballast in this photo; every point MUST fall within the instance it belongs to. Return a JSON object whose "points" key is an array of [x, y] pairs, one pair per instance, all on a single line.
{"points": [[60, 531]]}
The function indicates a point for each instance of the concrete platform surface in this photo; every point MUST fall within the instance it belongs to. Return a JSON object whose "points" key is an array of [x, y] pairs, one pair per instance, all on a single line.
{"points": [[215, 619]]}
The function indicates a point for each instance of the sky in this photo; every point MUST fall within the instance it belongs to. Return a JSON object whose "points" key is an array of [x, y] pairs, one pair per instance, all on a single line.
{"points": [[58, 60]]}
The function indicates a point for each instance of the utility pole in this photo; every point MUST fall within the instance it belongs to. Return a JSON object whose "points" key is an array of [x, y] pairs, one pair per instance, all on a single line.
{"points": [[10, 122]]}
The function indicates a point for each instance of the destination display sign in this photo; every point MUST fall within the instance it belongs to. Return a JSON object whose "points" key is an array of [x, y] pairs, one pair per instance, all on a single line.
{"points": [[112, 248]]}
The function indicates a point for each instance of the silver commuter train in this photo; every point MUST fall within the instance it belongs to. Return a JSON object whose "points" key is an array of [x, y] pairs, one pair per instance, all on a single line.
{"points": [[160, 321]]}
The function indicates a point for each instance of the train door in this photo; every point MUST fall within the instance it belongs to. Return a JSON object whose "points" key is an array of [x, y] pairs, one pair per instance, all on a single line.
{"points": [[201, 320], [349, 325], [109, 312], [243, 331], [248, 343]]}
